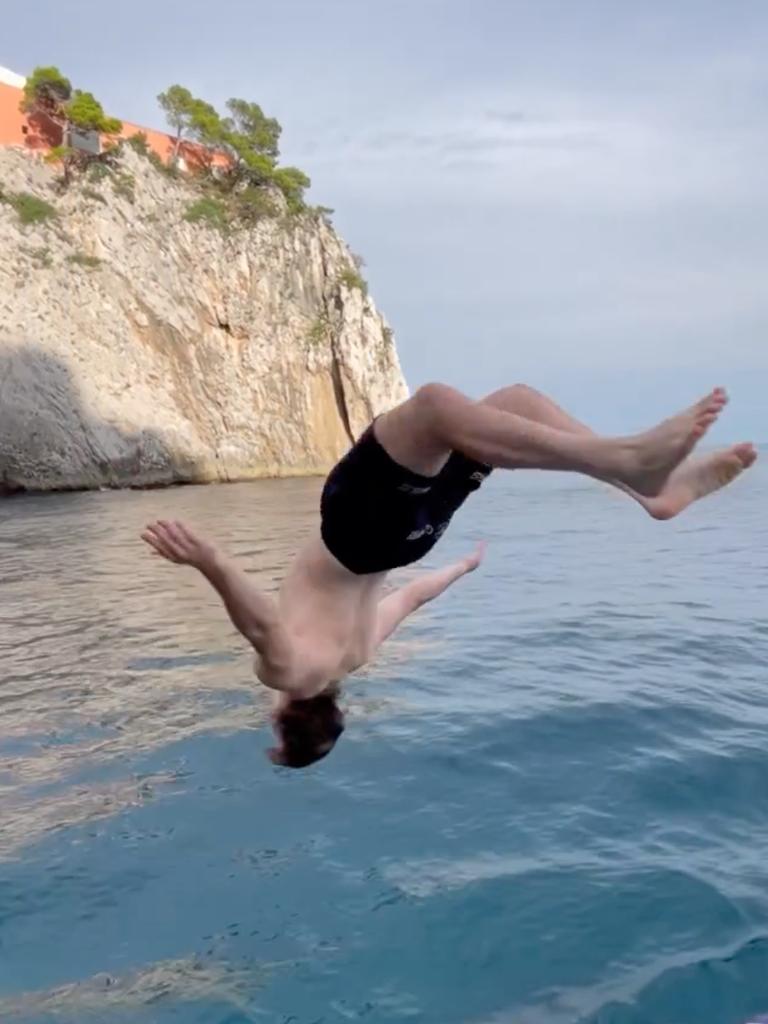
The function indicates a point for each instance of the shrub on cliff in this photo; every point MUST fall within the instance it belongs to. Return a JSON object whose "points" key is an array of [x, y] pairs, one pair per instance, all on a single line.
{"points": [[246, 138], [30, 209], [351, 278], [208, 211]]}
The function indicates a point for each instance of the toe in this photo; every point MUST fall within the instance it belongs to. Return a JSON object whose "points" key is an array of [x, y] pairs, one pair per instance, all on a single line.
{"points": [[745, 453]]}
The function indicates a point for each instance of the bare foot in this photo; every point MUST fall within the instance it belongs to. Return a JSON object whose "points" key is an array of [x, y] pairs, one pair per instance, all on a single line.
{"points": [[699, 477], [652, 457]]}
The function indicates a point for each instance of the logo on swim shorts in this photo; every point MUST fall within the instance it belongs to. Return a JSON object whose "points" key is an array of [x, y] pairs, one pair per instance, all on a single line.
{"points": [[478, 476], [410, 489], [427, 531]]}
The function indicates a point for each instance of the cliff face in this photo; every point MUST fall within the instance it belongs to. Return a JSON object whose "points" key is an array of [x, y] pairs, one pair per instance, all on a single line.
{"points": [[137, 348]]}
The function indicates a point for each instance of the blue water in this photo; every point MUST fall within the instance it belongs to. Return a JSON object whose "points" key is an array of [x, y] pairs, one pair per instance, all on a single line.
{"points": [[551, 804]]}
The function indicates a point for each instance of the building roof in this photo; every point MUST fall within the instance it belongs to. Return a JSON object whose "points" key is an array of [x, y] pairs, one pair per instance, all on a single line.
{"points": [[8, 77]]}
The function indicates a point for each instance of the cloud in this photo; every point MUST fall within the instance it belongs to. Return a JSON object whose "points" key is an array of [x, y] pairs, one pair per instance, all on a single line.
{"points": [[686, 131], [505, 116], [445, 131], [590, 186]]}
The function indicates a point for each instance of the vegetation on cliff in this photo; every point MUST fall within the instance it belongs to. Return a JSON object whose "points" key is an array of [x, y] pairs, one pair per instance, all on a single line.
{"points": [[234, 178], [232, 155], [49, 100]]}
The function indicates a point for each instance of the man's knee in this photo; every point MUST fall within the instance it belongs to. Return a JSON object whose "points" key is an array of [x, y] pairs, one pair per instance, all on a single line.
{"points": [[414, 433], [513, 394], [439, 409], [434, 401], [525, 389]]}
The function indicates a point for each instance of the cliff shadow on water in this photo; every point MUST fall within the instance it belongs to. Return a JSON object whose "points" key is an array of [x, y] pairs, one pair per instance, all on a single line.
{"points": [[50, 440]]}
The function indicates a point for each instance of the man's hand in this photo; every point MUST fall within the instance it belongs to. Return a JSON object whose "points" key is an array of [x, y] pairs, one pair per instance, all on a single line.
{"points": [[254, 614], [472, 561], [176, 541]]}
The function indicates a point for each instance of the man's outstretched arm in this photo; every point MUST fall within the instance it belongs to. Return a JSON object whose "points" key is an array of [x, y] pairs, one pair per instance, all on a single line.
{"points": [[252, 613], [403, 602]]}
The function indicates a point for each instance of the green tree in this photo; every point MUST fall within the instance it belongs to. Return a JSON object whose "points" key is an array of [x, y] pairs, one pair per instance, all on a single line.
{"points": [[292, 183], [46, 90], [251, 130], [208, 130], [179, 105], [49, 98], [250, 140], [246, 136], [192, 118], [85, 112]]}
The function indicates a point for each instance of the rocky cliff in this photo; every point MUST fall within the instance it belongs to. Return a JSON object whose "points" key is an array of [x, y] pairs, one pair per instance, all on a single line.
{"points": [[138, 348]]}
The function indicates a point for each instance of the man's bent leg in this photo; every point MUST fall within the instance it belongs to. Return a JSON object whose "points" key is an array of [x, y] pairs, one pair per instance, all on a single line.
{"points": [[533, 405], [693, 479], [421, 433]]}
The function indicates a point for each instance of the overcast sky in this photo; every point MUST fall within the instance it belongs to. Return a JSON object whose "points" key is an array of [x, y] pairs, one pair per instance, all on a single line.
{"points": [[567, 192]]}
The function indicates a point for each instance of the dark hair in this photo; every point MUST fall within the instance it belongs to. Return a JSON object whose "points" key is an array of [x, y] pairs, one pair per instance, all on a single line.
{"points": [[308, 730]]}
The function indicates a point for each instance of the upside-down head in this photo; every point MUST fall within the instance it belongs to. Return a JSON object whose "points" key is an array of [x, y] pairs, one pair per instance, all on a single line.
{"points": [[307, 730]]}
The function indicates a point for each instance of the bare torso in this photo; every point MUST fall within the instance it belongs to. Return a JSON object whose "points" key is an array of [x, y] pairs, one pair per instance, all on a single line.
{"points": [[328, 616]]}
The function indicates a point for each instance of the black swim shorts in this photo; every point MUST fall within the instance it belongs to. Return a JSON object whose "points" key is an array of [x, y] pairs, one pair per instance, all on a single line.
{"points": [[376, 515]]}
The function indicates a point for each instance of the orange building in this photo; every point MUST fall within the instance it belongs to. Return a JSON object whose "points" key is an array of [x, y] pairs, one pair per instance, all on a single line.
{"points": [[16, 129]]}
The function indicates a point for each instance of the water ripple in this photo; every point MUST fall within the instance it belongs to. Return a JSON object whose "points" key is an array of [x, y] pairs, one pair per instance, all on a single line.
{"points": [[550, 806]]}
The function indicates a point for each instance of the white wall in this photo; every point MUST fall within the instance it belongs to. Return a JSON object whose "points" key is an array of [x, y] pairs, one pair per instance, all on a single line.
{"points": [[11, 78]]}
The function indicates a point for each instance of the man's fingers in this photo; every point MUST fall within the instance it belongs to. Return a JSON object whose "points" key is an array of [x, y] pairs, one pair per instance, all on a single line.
{"points": [[175, 533], [186, 532], [162, 542], [163, 529], [167, 527], [155, 542], [154, 536]]}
